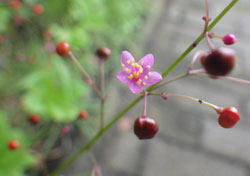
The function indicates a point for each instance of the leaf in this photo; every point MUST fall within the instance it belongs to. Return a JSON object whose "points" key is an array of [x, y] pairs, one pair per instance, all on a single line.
{"points": [[54, 93], [5, 15]]}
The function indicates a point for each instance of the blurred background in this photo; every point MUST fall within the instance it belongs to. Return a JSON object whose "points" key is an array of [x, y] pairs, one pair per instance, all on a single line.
{"points": [[35, 81]]}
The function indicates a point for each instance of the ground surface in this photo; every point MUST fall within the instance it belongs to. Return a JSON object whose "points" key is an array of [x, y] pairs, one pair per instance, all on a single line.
{"points": [[190, 142]]}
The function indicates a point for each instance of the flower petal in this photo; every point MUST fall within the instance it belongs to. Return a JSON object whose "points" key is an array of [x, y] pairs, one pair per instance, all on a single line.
{"points": [[126, 58], [135, 88], [122, 76], [153, 77], [147, 60]]}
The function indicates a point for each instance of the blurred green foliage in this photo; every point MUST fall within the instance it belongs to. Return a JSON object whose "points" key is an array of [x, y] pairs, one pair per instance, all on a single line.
{"points": [[34, 80], [54, 91], [13, 163]]}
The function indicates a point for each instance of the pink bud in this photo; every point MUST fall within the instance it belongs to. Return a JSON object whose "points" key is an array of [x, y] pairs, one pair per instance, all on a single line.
{"points": [[229, 39], [207, 19], [164, 96]]}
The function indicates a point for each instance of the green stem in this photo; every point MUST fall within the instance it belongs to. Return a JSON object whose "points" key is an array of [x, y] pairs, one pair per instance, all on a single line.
{"points": [[101, 132], [163, 83], [50, 142], [92, 141]]}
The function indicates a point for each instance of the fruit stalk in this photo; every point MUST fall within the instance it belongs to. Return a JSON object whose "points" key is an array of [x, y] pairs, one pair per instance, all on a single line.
{"points": [[86, 76], [206, 19], [145, 104], [102, 89], [239, 80], [180, 76], [209, 42], [216, 108]]}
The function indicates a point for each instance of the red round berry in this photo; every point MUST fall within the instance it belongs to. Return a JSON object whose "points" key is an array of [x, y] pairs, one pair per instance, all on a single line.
{"points": [[15, 4], [37, 9], [83, 115], [63, 48], [228, 117], [103, 53], [229, 39], [34, 119], [145, 127], [13, 144], [219, 61]]}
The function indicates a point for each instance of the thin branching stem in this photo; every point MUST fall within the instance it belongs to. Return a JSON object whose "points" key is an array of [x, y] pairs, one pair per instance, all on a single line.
{"points": [[215, 107], [85, 75], [145, 104], [102, 88], [180, 76]]}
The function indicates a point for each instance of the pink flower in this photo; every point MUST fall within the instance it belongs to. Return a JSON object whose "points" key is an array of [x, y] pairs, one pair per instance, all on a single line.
{"points": [[137, 74]]}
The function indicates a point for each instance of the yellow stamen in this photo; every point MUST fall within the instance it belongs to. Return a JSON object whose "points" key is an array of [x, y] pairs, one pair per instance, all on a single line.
{"points": [[141, 70], [146, 77], [128, 70], [136, 65], [136, 75], [123, 65], [131, 76], [139, 82], [128, 61], [148, 66]]}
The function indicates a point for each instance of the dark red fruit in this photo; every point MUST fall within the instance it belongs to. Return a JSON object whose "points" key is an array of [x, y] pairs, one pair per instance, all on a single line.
{"points": [[15, 4], [145, 127], [13, 144], [103, 53], [228, 117], [37, 9], [34, 119], [63, 48], [219, 62], [83, 115]]}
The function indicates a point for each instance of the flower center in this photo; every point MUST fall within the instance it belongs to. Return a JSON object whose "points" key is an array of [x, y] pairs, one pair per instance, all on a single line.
{"points": [[135, 72]]}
